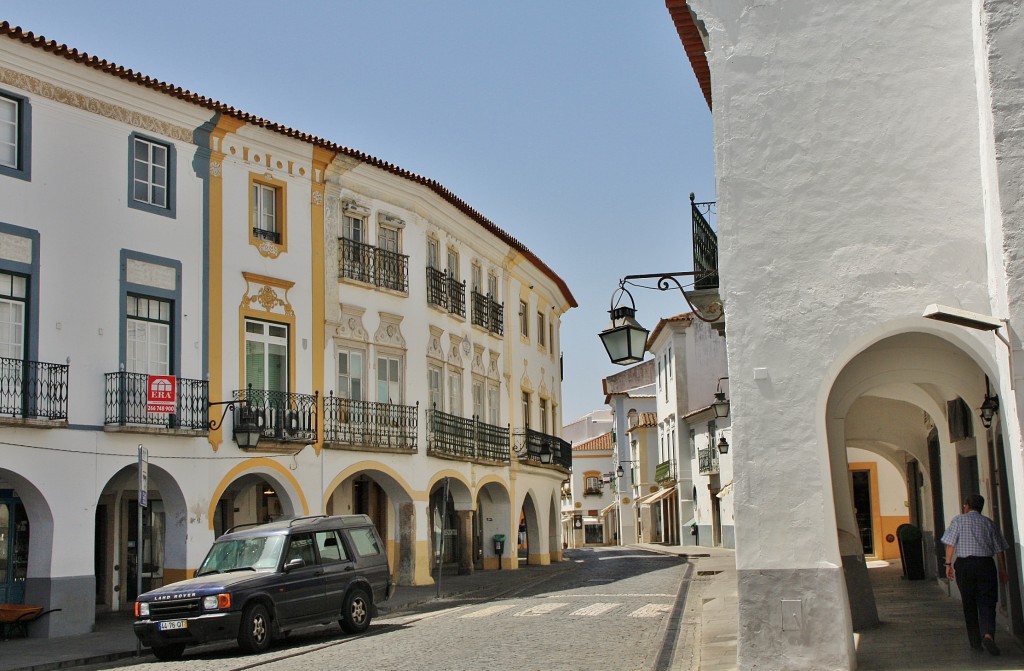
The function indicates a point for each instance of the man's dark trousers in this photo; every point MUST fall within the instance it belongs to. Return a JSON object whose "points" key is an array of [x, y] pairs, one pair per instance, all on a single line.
{"points": [[978, 582]]}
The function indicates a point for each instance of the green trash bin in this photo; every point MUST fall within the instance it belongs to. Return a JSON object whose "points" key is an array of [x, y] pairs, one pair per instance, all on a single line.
{"points": [[911, 551], [499, 544]]}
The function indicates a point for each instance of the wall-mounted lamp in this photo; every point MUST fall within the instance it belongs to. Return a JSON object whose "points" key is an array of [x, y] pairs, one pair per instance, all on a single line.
{"points": [[723, 445], [246, 427], [988, 408], [721, 404], [624, 339], [618, 471]]}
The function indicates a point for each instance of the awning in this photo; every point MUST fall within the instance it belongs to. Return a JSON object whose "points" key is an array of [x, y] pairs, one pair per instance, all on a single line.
{"points": [[655, 497], [725, 491], [606, 509]]}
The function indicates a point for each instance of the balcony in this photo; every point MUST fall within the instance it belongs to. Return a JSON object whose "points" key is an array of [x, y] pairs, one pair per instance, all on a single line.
{"points": [[529, 444], [665, 472], [705, 262], [470, 439], [264, 234], [32, 390], [124, 404], [372, 265], [488, 313], [280, 415], [446, 292], [370, 426], [707, 461]]}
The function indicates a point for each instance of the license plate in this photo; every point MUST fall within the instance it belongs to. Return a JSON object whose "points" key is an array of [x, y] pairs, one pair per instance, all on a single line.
{"points": [[170, 625]]}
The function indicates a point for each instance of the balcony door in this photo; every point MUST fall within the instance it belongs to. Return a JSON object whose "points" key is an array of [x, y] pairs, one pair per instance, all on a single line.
{"points": [[13, 290], [266, 356]]}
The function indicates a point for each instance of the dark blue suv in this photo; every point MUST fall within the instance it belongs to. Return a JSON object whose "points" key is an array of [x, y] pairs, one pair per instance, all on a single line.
{"points": [[260, 582]]}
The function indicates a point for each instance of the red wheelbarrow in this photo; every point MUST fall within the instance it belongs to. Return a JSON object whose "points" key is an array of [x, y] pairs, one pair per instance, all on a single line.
{"points": [[14, 618]]}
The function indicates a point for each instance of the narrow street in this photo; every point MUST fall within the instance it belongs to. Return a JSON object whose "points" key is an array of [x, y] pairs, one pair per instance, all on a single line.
{"points": [[621, 598]]}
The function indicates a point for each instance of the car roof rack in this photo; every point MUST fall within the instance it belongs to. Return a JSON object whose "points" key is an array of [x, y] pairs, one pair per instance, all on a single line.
{"points": [[240, 526], [292, 522]]}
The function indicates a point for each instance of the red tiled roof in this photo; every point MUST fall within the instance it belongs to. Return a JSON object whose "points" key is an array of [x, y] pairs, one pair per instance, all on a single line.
{"points": [[689, 35], [602, 443], [40, 42], [644, 419], [686, 317]]}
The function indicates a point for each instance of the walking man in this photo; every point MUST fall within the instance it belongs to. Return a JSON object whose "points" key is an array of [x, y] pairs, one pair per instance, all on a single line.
{"points": [[975, 540]]}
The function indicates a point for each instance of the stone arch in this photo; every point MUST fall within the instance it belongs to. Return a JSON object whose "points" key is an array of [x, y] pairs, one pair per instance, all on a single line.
{"points": [[904, 372], [165, 535], [40, 532], [493, 517], [395, 519], [249, 473], [535, 545]]}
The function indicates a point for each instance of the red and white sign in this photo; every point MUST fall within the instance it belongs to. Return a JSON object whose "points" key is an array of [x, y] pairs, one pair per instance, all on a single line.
{"points": [[161, 393]]}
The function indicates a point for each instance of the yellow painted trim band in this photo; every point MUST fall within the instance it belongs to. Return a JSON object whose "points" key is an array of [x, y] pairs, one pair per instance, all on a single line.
{"points": [[257, 463]]}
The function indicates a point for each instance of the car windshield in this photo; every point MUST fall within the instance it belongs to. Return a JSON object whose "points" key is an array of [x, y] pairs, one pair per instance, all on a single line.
{"points": [[259, 553]]}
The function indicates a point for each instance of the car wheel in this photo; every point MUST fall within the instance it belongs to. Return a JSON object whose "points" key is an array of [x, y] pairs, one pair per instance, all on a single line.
{"points": [[254, 632], [169, 653], [355, 614]]}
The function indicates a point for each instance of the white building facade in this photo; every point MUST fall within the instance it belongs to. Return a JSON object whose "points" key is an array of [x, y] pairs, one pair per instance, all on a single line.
{"points": [[395, 352], [869, 217]]}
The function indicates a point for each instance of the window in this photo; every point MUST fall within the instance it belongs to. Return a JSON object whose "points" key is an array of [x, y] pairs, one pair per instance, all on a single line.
{"points": [[524, 325], [453, 264], [391, 266], [330, 547], [151, 185], [266, 355], [300, 546], [551, 336], [264, 213], [493, 407], [148, 336], [267, 208], [353, 229], [543, 410], [15, 136], [476, 275], [350, 374], [492, 286], [389, 383], [591, 485], [526, 409], [434, 387], [455, 393], [478, 399], [354, 254], [13, 294], [365, 541], [432, 253], [540, 328]]}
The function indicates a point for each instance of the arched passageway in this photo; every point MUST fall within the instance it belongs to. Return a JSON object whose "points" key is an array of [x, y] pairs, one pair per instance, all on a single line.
{"points": [[531, 544], [905, 446], [163, 542], [373, 490], [493, 517]]}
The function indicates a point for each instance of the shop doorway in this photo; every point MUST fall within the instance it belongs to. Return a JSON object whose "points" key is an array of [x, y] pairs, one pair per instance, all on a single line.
{"points": [[14, 536]]}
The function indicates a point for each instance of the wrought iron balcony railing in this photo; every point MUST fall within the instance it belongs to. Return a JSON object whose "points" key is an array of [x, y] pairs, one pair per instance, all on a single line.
{"points": [[705, 246], [125, 398], [373, 265], [707, 461], [665, 472], [264, 234], [33, 389], [369, 425], [280, 415], [488, 313], [451, 435], [530, 444], [446, 292]]}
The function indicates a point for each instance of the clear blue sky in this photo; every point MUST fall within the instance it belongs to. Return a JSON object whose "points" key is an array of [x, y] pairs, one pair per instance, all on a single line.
{"points": [[575, 125]]}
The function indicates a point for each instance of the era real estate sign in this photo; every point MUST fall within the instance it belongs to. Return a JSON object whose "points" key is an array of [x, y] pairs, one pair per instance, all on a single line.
{"points": [[161, 393]]}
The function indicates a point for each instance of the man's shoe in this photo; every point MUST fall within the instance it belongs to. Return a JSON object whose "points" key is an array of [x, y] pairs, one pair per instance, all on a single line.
{"points": [[991, 646]]}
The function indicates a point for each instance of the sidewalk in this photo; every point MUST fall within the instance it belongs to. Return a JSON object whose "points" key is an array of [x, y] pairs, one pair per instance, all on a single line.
{"points": [[113, 638]]}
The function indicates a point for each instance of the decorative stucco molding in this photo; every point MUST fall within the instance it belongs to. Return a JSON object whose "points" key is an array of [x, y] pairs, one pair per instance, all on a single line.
{"points": [[390, 331], [434, 350], [80, 101], [262, 292], [351, 326]]}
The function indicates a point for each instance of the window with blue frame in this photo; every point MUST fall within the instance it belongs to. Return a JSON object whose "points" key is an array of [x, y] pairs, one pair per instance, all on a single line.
{"points": [[15, 136], [151, 170]]}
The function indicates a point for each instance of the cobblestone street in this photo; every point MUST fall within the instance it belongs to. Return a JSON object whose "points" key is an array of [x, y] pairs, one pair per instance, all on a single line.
{"points": [[618, 600]]}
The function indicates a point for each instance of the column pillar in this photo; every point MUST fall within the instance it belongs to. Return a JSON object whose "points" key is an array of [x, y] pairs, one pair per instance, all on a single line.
{"points": [[465, 518]]}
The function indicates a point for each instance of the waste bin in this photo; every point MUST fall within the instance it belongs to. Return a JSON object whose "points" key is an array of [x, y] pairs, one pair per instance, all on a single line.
{"points": [[499, 544], [911, 551]]}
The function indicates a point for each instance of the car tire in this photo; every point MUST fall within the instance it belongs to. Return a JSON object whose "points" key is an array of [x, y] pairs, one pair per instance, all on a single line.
{"points": [[254, 634], [169, 653], [355, 613]]}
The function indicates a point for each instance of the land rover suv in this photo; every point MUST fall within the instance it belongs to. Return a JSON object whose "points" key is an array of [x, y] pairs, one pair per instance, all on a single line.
{"points": [[260, 582]]}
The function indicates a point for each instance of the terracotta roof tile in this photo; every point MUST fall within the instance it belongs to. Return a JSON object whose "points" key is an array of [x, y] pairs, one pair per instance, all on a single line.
{"points": [[689, 35], [602, 443], [40, 42]]}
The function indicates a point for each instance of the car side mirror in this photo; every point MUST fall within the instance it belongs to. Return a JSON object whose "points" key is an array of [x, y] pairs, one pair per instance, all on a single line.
{"points": [[292, 564]]}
